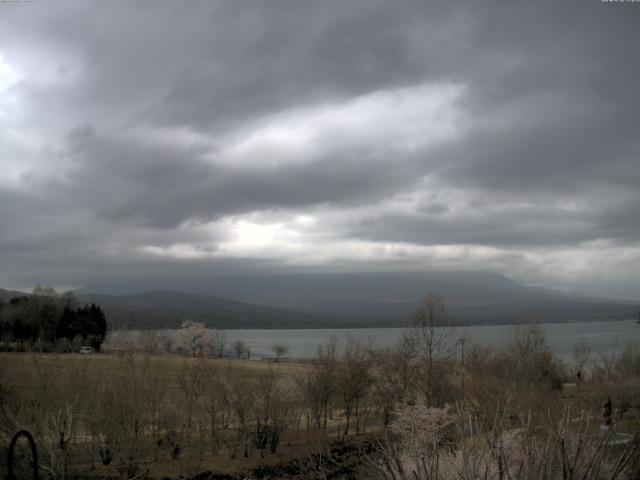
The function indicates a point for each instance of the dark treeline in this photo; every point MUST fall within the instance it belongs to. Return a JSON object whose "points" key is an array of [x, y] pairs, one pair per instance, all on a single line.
{"points": [[47, 321]]}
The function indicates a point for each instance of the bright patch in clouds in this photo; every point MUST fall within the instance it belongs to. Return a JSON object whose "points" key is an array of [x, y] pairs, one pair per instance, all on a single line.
{"points": [[8, 74], [383, 123], [9, 99], [279, 242], [299, 240], [390, 121]]}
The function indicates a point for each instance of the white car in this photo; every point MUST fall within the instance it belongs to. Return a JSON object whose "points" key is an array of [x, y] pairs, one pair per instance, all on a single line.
{"points": [[86, 349]]}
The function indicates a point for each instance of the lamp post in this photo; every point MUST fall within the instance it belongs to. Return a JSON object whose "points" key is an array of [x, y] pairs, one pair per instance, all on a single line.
{"points": [[461, 341]]}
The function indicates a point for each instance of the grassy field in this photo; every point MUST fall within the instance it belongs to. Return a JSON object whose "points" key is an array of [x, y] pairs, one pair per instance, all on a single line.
{"points": [[29, 369], [43, 389], [133, 415]]}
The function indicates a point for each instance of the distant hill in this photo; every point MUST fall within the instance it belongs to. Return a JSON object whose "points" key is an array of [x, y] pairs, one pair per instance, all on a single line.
{"points": [[168, 309], [7, 295], [340, 300], [375, 299]]}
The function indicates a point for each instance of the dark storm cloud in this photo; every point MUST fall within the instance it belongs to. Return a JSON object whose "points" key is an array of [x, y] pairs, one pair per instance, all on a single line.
{"points": [[503, 229], [513, 226], [544, 155], [165, 187], [304, 52]]}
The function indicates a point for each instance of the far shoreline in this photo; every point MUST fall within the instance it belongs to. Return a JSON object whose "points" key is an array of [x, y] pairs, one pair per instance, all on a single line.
{"points": [[380, 327]]}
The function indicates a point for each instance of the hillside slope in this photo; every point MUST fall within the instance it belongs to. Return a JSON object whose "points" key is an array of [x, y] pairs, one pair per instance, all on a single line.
{"points": [[355, 299], [168, 309]]}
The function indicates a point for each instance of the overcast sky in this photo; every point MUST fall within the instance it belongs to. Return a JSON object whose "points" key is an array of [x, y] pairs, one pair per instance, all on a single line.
{"points": [[179, 138]]}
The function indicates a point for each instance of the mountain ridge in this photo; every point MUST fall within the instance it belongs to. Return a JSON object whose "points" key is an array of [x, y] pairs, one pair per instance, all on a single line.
{"points": [[378, 299], [168, 309]]}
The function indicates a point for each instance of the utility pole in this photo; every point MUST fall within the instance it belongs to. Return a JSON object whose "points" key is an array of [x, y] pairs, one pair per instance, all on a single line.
{"points": [[461, 341]]}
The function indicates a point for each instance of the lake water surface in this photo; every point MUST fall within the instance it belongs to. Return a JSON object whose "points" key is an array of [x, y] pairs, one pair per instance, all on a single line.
{"points": [[606, 338]]}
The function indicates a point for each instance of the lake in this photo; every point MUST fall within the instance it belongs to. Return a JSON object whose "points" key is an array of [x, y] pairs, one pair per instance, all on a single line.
{"points": [[606, 338]]}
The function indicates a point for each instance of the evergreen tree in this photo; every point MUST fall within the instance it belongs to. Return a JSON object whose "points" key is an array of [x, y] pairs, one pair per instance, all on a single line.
{"points": [[47, 317], [66, 324]]}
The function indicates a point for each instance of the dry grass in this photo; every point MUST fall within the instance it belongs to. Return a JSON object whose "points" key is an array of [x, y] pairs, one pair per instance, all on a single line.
{"points": [[43, 391], [170, 415], [28, 369]]}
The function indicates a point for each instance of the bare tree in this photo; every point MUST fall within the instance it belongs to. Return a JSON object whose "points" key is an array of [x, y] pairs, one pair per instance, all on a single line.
{"points": [[149, 342], [277, 395], [354, 379], [191, 430], [318, 385], [530, 360], [126, 422], [240, 348], [41, 291], [165, 342], [220, 342], [406, 356], [7, 393], [279, 349], [429, 334], [581, 355], [241, 400], [216, 411], [387, 378]]}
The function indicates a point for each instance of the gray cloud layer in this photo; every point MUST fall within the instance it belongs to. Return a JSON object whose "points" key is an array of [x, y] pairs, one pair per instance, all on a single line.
{"points": [[178, 137]]}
